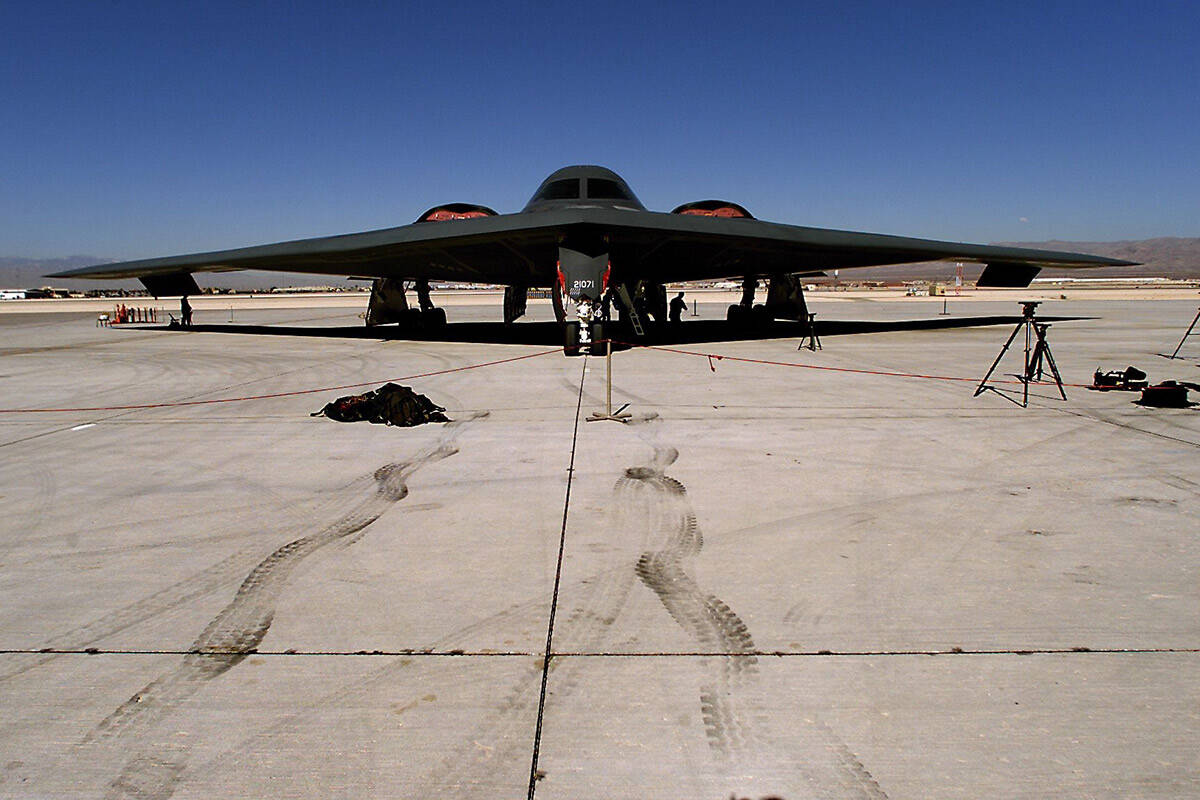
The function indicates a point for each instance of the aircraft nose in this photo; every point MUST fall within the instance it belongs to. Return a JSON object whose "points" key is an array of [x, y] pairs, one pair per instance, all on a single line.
{"points": [[582, 274]]}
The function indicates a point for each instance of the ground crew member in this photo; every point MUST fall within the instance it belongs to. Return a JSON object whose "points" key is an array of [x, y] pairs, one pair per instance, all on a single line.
{"points": [[185, 311], [677, 307], [423, 301]]}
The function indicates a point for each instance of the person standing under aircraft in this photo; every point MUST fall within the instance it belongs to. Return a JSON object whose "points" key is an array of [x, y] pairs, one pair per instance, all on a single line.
{"points": [[423, 300], [678, 305]]}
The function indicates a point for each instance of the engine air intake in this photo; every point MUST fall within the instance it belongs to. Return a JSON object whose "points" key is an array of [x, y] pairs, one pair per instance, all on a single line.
{"points": [[455, 211], [713, 208]]}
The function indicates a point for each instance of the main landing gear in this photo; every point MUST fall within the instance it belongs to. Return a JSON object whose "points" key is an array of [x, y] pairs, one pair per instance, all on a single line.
{"points": [[745, 313], [389, 304], [785, 300], [427, 316]]}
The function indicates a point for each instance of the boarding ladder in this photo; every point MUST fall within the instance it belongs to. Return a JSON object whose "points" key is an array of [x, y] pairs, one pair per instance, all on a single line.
{"points": [[627, 302]]}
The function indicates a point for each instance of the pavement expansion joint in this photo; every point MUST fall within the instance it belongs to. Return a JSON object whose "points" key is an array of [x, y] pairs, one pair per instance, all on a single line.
{"points": [[534, 773], [954, 651]]}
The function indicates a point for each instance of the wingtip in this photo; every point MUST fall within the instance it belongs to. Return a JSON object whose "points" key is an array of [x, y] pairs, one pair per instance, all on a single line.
{"points": [[93, 271]]}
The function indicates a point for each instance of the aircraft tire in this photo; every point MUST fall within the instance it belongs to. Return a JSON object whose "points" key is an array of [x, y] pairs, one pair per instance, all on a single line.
{"points": [[437, 317], [571, 345], [599, 347]]}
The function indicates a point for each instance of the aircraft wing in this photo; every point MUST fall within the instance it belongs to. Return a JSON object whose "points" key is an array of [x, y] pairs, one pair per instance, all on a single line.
{"points": [[673, 248], [522, 249], [508, 248]]}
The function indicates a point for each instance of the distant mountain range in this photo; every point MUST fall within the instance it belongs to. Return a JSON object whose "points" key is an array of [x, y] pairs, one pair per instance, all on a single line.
{"points": [[30, 273], [1167, 257]]}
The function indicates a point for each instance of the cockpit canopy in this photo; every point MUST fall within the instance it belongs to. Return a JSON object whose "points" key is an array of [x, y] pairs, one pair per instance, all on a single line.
{"points": [[583, 186]]}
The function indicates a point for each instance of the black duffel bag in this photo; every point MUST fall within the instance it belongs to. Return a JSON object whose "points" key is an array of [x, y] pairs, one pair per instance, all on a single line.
{"points": [[390, 404]]}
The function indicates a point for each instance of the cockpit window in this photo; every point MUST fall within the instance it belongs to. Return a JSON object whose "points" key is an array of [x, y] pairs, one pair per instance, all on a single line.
{"points": [[604, 189], [562, 190]]}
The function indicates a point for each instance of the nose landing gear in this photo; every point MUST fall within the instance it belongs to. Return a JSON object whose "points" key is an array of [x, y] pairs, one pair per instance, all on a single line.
{"points": [[583, 271], [585, 334]]}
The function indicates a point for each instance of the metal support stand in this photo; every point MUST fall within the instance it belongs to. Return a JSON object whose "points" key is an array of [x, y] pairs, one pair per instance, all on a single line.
{"points": [[1187, 334], [814, 341], [619, 415], [1038, 358]]}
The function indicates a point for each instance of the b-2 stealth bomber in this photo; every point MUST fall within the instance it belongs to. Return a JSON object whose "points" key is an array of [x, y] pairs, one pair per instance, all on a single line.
{"points": [[586, 237]]}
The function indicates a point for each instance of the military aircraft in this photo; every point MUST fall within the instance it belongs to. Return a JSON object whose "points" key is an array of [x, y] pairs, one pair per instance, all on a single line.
{"points": [[585, 236]]}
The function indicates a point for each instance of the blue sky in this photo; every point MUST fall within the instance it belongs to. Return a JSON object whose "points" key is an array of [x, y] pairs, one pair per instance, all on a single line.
{"points": [[139, 129]]}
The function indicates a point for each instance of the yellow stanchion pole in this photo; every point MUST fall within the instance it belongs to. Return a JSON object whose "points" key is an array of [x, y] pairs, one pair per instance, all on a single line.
{"points": [[620, 415]]}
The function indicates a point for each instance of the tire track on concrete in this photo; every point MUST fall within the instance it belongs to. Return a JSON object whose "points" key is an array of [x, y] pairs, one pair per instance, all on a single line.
{"points": [[672, 527], [471, 764], [209, 580], [499, 737], [825, 766], [587, 625], [732, 705], [212, 579], [239, 628], [241, 625]]}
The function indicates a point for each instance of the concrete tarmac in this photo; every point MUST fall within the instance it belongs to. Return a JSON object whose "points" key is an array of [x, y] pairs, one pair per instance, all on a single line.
{"points": [[775, 581]]}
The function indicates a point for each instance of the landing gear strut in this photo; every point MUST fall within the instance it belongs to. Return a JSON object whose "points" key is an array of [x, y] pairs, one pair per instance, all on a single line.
{"points": [[785, 300], [430, 315], [389, 303], [585, 339], [585, 334], [745, 312]]}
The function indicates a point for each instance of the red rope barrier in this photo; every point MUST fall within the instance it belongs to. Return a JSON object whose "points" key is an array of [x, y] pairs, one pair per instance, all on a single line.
{"points": [[718, 357], [277, 394], [712, 359]]}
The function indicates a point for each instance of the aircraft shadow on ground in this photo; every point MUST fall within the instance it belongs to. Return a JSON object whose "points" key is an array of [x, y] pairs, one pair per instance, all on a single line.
{"points": [[550, 334]]}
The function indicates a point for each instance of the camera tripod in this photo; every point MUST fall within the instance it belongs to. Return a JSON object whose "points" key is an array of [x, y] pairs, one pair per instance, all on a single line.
{"points": [[1191, 331], [1038, 358]]}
